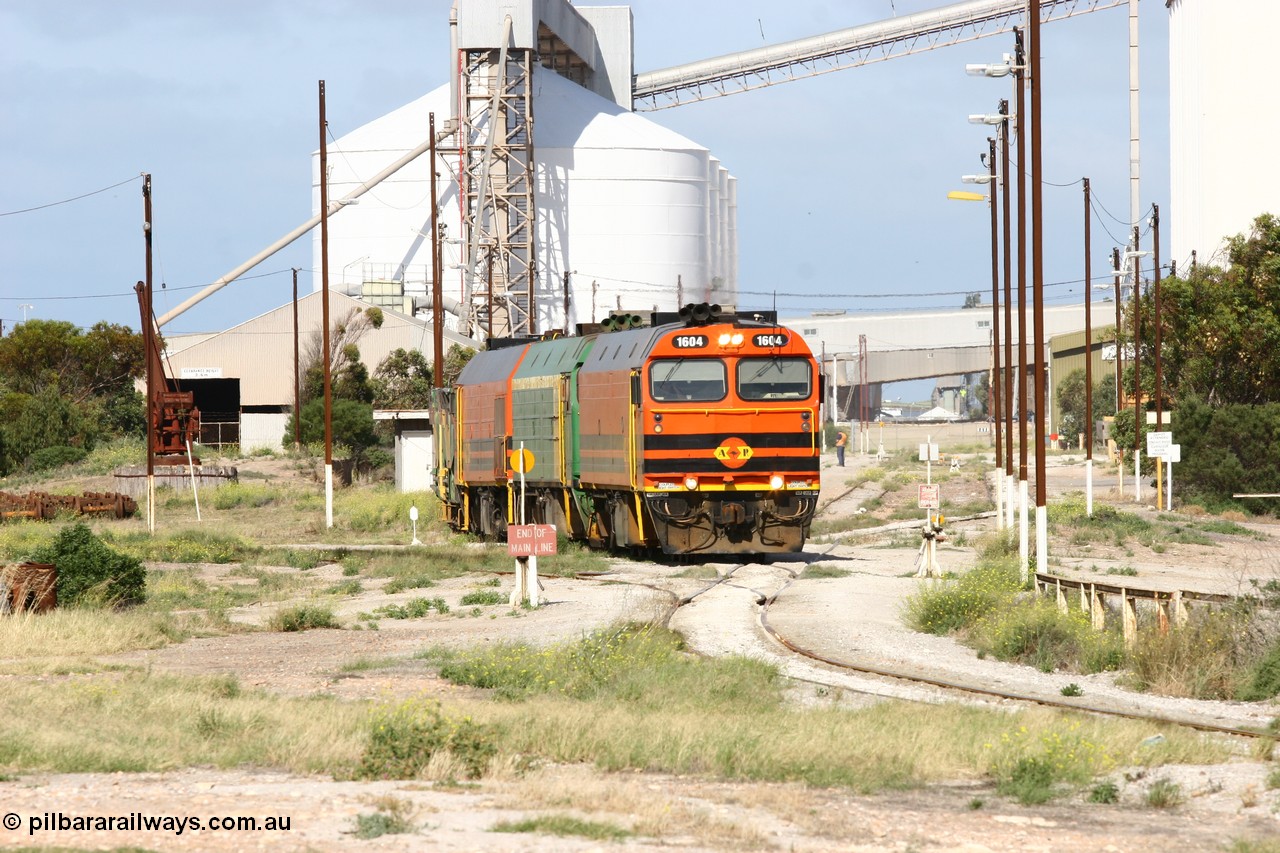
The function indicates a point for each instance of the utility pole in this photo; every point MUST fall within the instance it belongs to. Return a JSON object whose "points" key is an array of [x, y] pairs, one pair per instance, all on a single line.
{"points": [[1024, 546], [324, 313], [1088, 363], [1037, 275], [994, 385], [1155, 254], [297, 392], [1137, 375], [1008, 314], [437, 288], [149, 341], [1115, 269]]}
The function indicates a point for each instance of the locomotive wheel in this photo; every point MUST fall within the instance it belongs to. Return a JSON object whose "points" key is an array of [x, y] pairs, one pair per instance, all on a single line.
{"points": [[498, 523]]}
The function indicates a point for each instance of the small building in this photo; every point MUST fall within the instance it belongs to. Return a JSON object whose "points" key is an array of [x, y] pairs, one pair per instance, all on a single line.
{"points": [[415, 447]]}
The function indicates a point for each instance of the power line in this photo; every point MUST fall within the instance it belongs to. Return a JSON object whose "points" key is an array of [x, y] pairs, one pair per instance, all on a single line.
{"points": [[131, 293], [69, 200]]}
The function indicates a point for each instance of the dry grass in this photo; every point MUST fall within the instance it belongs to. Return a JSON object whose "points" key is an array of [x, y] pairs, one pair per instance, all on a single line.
{"points": [[137, 722], [84, 633]]}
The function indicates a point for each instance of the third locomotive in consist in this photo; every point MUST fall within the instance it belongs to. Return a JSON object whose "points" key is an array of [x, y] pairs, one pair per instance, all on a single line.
{"points": [[696, 433]]}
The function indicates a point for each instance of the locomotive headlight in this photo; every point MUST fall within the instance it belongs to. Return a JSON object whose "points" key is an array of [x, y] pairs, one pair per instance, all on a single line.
{"points": [[804, 427], [723, 340], [736, 340], [691, 483], [775, 482], [658, 427]]}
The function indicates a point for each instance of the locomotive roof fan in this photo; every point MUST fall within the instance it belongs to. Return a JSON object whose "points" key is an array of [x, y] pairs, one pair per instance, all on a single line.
{"points": [[700, 313]]}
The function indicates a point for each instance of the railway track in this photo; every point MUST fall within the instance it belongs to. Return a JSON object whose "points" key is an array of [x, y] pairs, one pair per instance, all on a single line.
{"points": [[735, 609]]}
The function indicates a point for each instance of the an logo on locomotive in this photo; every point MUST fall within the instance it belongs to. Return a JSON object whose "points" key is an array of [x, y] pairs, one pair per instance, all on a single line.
{"points": [[733, 452]]}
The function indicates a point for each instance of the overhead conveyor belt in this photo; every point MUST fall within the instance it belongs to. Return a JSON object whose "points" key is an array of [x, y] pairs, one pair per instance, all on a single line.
{"points": [[848, 48]]}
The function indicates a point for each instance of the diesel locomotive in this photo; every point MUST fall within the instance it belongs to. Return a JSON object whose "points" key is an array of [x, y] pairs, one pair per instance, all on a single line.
{"points": [[696, 433]]}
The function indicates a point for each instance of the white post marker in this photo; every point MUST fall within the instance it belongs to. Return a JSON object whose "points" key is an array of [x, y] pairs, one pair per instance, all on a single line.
{"points": [[1137, 475], [328, 494], [1024, 545], [1174, 454], [1088, 487], [191, 467], [413, 519]]}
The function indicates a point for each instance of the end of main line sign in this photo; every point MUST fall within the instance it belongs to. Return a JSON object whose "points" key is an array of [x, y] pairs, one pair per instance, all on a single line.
{"points": [[531, 540]]}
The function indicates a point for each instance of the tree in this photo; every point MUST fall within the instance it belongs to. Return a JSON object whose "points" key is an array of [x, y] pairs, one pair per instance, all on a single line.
{"points": [[972, 300], [349, 377], [352, 425], [1221, 327], [454, 361], [403, 381], [47, 420], [41, 354]]}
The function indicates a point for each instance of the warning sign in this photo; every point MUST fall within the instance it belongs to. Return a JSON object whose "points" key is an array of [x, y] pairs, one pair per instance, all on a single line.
{"points": [[930, 496]]}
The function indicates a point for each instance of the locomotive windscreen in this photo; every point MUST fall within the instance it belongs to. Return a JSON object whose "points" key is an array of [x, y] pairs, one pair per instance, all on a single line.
{"points": [[699, 380], [775, 378]]}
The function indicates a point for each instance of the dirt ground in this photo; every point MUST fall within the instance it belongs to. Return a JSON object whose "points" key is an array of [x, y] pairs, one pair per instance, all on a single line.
{"points": [[847, 616]]}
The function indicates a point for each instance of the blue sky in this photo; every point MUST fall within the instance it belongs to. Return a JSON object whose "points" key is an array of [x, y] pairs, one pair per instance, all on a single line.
{"points": [[842, 178]]}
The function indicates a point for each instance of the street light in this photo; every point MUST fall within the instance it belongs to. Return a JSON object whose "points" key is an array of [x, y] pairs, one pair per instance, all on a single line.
{"points": [[1003, 69], [346, 289], [976, 179], [25, 307], [982, 118]]}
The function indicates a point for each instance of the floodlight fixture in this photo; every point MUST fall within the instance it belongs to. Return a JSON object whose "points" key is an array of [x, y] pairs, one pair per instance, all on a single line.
{"points": [[976, 179], [996, 118]]}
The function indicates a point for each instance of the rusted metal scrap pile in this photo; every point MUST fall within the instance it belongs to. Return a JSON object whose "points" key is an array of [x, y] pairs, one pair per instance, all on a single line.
{"points": [[28, 588], [40, 506]]}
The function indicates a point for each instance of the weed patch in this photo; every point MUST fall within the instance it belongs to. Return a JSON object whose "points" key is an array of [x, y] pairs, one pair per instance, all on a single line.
{"points": [[404, 737], [303, 617], [948, 606], [564, 825]]}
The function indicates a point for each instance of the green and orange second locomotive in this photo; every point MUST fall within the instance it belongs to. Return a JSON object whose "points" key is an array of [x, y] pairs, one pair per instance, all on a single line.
{"points": [[697, 433]]}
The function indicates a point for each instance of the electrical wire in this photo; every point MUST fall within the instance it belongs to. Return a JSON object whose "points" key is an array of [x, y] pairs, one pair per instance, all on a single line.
{"points": [[69, 200], [133, 294]]}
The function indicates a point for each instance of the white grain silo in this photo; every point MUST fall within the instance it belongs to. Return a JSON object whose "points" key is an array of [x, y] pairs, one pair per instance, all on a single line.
{"points": [[636, 214], [1223, 122]]}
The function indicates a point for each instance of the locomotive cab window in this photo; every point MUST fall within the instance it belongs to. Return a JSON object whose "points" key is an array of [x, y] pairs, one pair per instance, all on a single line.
{"points": [[693, 380], [775, 378]]}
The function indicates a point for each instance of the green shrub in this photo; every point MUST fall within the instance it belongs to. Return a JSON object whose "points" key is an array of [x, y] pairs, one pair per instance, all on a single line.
{"points": [[414, 608], [1164, 794], [404, 737], [303, 617], [91, 573], [1105, 793], [1036, 633], [952, 605], [482, 596], [400, 584], [54, 457], [1263, 679]]}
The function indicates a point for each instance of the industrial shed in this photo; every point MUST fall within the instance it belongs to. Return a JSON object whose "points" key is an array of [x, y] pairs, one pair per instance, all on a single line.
{"points": [[242, 378]]}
